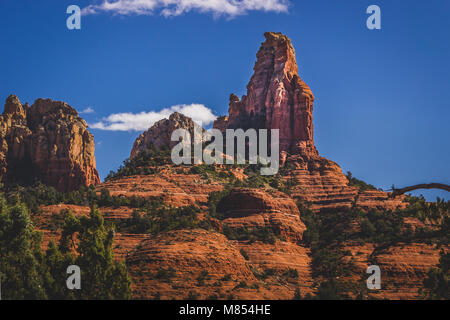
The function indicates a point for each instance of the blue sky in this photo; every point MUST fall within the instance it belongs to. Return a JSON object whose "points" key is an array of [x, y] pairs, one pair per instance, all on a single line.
{"points": [[382, 96]]}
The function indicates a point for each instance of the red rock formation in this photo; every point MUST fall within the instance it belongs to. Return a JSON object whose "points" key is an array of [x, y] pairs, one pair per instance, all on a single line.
{"points": [[321, 183], [276, 98], [159, 135], [253, 208], [189, 253], [193, 252], [403, 266], [176, 189], [48, 142]]}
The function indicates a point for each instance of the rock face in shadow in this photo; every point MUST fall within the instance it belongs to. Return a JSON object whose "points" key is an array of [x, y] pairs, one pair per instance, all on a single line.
{"points": [[48, 142]]}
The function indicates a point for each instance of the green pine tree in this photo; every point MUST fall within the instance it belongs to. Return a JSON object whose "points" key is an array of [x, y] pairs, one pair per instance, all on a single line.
{"points": [[437, 284], [21, 260], [92, 242]]}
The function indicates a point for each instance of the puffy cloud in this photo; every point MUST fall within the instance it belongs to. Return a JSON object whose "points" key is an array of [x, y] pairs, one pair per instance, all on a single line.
{"points": [[167, 8], [87, 110], [144, 120]]}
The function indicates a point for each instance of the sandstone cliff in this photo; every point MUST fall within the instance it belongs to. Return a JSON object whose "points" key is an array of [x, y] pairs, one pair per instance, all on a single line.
{"points": [[48, 142], [253, 208], [276, 98]]}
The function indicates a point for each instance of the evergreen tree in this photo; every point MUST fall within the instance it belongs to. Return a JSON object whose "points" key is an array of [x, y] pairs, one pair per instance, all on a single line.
{"points": [[101, 276], [21, 260], [437, 284], [57, 264]]}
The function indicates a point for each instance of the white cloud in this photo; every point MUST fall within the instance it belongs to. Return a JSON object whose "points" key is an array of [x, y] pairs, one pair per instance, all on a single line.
{"points": [[87, 110], [167, 8], [144, 120]]}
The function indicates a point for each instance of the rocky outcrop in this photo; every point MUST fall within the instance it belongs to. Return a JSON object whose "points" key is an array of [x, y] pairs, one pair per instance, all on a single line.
{"points": [[159, 135], [174, 187], [321, 184], [189, 253], [48, 142], [403, 266], [253, 208], [186, 263], [276, 98]]}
